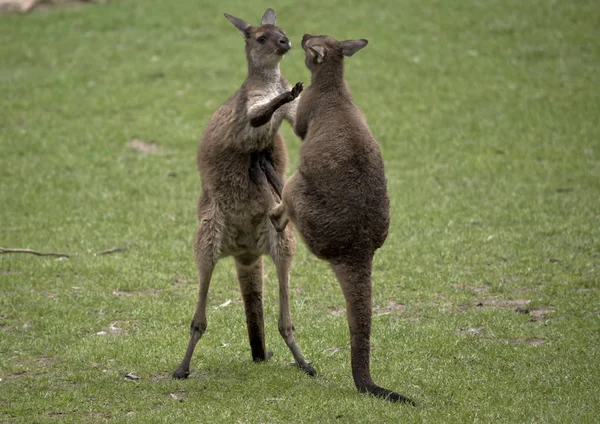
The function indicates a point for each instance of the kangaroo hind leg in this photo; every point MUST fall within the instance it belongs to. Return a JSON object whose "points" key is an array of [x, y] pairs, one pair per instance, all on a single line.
{"points": [[355, 279], [282, 252], [250, 277], [206, 248]]}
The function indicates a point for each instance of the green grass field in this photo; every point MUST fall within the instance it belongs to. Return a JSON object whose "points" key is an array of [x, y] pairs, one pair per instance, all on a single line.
{"points": [[486, 293]]}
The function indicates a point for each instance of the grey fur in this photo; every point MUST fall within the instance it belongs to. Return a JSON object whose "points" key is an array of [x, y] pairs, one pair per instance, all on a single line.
{"points": [[269, 18], [240, 151]]}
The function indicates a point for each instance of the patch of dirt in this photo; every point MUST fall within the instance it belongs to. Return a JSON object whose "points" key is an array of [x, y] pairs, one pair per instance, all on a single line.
{"points": [[337, 311], [586, 290], [23, 6], [536, 314], [332, 350], [161, 377], [57, 415], [533, 342], [540, 313], [472, 331], [115, 329], [391, 306], [298, 290], [469, 288], [11, 272], [497, 303], [46, 361], [142, 146], [178, 395], [180, 281]]}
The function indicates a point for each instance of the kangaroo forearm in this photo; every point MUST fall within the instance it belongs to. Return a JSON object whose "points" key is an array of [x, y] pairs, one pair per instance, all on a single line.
{"points": [[260, 115], [272, 176]]}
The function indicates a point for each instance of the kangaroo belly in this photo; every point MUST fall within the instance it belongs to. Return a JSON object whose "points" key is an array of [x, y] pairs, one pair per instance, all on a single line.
{"points": [[251, 237]]}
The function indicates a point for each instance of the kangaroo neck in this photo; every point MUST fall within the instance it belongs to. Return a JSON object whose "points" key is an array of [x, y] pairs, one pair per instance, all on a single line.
{"points": [[329, 77], [264, 75]]}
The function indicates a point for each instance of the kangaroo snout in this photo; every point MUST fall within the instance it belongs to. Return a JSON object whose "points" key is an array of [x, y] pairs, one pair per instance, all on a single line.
{"points": [[284, 45]]}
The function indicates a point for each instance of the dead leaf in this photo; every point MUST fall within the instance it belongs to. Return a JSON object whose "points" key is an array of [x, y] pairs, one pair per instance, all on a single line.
{"points": [[132, 376], [332, 350], [9, 272], [391, 306], [147, 147], [337, 311], [222, 305], [113, 330], [473, 331], [532, 342]]}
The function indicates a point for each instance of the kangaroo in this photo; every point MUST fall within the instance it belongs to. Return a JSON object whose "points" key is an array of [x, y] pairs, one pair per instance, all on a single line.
{"points": [[337, 198], [242, 160]]}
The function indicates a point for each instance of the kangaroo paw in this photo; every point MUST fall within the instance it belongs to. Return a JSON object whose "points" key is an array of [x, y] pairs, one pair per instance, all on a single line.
{"points": [[278, 218]]}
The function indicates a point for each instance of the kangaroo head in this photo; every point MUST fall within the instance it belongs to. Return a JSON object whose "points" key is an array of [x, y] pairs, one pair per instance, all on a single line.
{"points": [[266, 44], [322, 49]]}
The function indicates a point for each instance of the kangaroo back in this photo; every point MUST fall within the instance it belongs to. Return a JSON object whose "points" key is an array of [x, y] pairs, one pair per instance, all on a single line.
{"points": [[337, 199]]}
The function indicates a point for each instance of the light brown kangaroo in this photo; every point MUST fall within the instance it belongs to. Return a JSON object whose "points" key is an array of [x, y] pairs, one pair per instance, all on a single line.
{"points": [[337, 198], [242, 160]]}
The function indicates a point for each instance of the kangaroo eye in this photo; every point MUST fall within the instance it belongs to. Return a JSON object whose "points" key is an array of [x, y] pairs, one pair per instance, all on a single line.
{"points": [[261, 39]]}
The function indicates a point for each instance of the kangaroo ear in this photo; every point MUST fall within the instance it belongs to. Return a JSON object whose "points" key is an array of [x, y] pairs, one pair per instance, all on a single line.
{"points": [[317, 52], [240, 24], [269, 18], [349, 47]]}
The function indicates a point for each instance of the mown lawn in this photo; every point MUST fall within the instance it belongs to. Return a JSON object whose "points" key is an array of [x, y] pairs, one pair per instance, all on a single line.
{"points": [[486, 294]]}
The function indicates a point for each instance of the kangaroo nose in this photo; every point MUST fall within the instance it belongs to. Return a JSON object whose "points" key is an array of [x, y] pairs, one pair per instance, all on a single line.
{"points": [[284, 40]]}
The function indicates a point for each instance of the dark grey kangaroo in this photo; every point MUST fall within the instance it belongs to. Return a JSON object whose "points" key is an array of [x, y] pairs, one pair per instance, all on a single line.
{"points": [[242, 160], [337, 198]]}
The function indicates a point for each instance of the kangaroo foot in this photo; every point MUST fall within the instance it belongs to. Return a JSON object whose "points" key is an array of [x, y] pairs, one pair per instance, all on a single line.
{"points": [[386, 394], [180, 373], [307, 369], [268, 355]]}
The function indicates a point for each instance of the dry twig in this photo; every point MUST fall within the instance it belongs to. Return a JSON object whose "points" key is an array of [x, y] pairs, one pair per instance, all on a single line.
{"points": [[113, 250], [4, 250]]}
